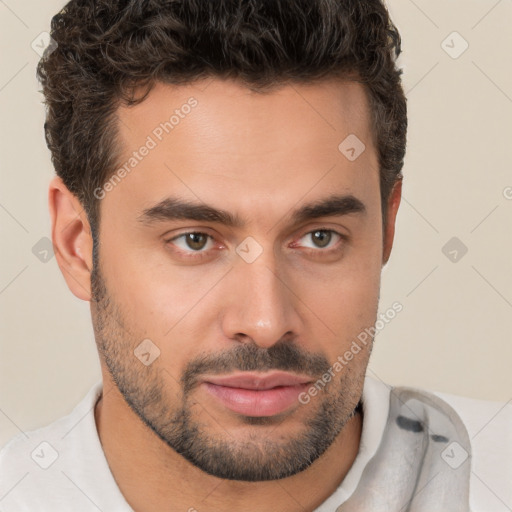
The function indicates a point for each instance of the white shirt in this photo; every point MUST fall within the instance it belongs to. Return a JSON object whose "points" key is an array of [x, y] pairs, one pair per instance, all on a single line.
{"points": [[62, 466]]}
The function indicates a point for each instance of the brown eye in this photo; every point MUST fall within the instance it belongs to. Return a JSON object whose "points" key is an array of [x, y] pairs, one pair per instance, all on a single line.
{"points": [[196, 241], [321, 237], [192, 241]]}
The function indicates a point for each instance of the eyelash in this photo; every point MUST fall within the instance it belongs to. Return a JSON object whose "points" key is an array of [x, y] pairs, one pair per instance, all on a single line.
{"points": [[201, 254]]}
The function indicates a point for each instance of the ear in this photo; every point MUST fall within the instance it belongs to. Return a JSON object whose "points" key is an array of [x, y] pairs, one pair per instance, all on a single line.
{"points": [[392, 208], [71, 238]]}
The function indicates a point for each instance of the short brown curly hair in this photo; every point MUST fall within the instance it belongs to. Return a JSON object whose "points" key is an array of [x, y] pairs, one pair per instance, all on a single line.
{"points": [[108, 48]]}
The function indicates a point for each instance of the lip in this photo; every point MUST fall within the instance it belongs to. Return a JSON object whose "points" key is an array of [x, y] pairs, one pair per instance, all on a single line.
{"points": [[257, 394], [258, 381]]}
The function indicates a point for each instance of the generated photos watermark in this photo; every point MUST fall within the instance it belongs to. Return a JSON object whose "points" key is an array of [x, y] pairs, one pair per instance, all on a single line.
{"points": [[152, 141], [363, 338]]}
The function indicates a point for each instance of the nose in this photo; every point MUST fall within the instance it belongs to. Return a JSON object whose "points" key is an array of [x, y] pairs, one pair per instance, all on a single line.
{"points": [[262, 306]]}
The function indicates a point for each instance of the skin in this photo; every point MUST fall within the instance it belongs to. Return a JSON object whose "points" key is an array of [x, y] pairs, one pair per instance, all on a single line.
{"points": [[259, 156]]}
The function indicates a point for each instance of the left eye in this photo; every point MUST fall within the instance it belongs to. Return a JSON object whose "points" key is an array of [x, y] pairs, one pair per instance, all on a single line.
{"points": [[322, 238], [194, 241]]}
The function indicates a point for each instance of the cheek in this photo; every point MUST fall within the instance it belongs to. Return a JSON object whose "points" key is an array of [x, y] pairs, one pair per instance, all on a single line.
{"points": [[343, 300], [160, 301], [347, 303]]}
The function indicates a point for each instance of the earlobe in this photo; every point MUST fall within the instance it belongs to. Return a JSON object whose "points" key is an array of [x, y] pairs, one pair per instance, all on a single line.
{"points": [[72, 239], [392, 208]]}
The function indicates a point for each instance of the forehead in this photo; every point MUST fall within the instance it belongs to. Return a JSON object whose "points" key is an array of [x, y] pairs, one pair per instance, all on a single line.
{"points": [[218, 138], [228, 113]]}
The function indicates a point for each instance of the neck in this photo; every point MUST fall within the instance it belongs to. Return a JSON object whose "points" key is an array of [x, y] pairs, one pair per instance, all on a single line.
{"points": [[153, 477]]}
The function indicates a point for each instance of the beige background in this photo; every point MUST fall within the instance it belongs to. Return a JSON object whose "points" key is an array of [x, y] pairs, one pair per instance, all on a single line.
{"points": [[454, 333]]}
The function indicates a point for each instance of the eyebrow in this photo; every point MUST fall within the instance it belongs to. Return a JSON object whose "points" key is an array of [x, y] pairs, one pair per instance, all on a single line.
{"points": [[174, 208]]}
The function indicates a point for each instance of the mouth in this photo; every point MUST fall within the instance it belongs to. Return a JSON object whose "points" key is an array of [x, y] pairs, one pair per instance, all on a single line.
{"points": [[257, 394]]}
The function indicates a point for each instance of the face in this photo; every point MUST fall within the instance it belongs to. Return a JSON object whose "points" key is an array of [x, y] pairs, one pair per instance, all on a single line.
{"points": [[240, 256]]}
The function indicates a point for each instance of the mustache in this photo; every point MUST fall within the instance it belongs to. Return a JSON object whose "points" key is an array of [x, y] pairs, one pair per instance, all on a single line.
{"points": [[285, 356]]}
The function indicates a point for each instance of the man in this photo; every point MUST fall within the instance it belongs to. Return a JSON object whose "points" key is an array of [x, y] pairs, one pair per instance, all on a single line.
{"points": [[228, 178]]}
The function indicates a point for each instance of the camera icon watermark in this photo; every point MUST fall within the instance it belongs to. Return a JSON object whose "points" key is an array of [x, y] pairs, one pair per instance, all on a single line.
{"points": [[454, 249], [352, 147], [44, 44], [43, 250], [146, 352], [454, 455], [44, 455], [454, 45], [249, 249]]}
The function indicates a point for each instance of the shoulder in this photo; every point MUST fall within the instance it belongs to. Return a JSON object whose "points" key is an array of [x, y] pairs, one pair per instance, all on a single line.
{"points": [[489, 426], [34, 464]]}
